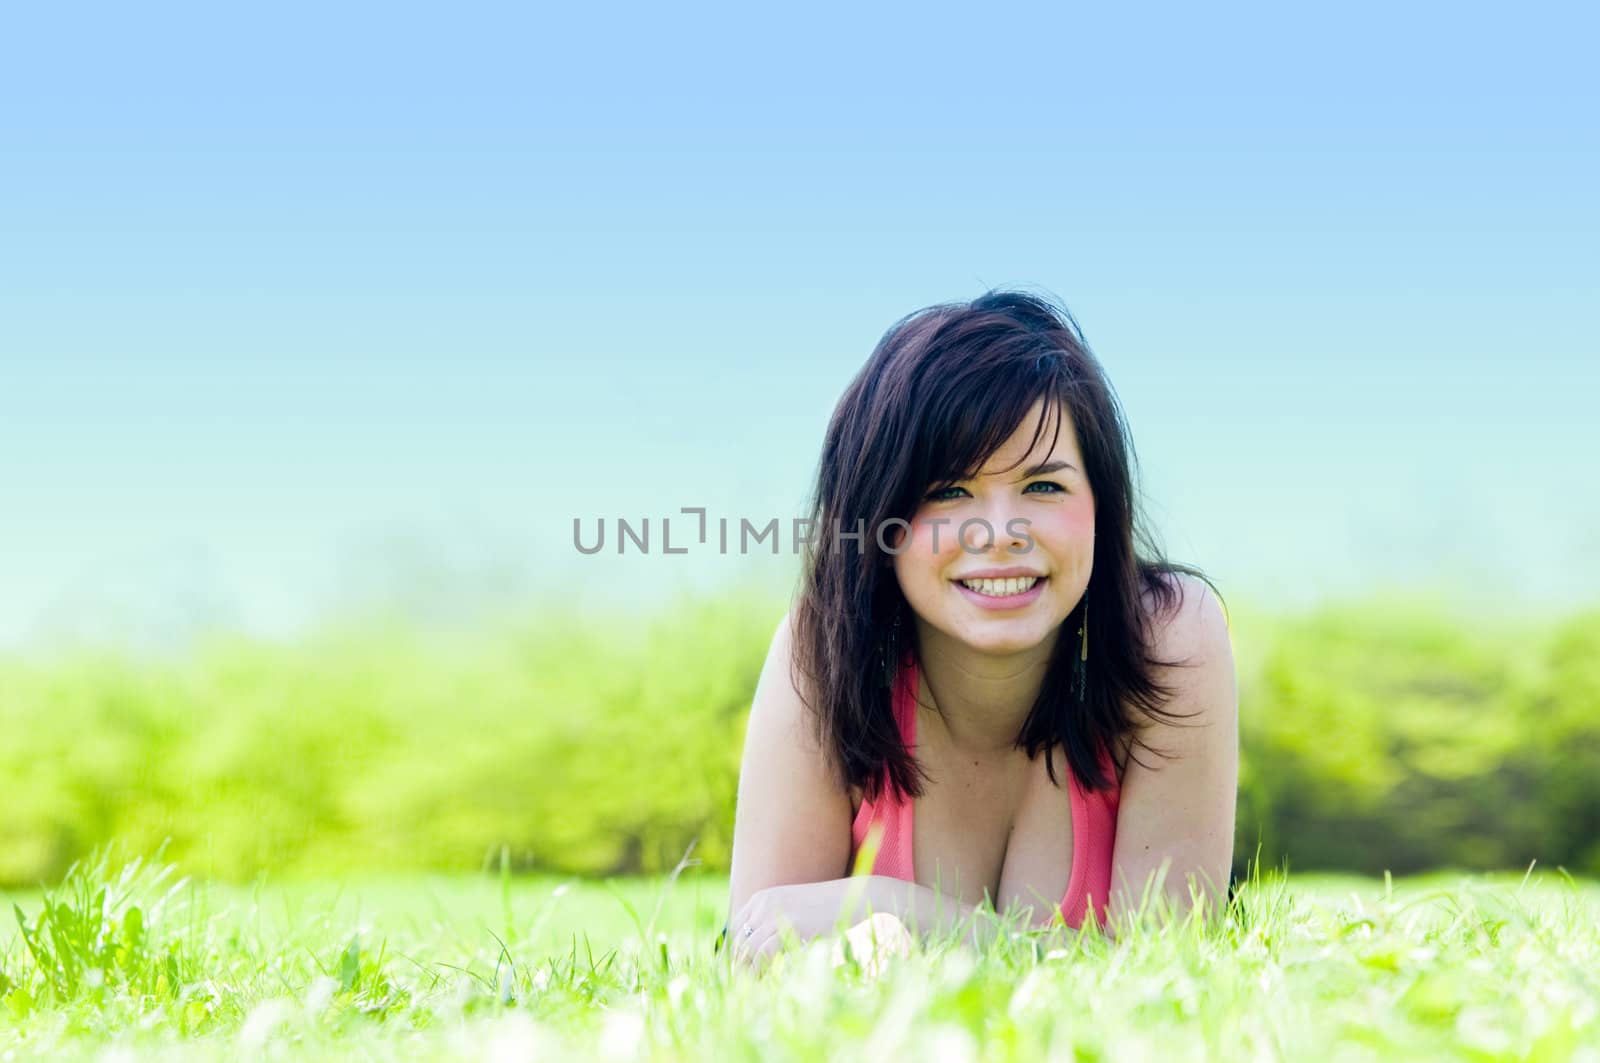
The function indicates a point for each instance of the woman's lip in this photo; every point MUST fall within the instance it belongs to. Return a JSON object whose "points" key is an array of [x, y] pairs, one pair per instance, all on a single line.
{"points": [[1013, 601]]}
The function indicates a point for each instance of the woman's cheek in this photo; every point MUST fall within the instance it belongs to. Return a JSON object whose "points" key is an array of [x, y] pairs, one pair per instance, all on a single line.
{"points": [[1061, 527], [935, 536], [1078, 518], [1084, 512], [1080, 529]]}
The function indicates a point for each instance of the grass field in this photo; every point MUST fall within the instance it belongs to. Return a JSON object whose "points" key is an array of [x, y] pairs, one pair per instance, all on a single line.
{"points": [[505, 967]]}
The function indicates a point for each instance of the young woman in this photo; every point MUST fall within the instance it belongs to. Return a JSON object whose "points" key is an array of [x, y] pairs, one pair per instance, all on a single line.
{"points": [[976, 652]]}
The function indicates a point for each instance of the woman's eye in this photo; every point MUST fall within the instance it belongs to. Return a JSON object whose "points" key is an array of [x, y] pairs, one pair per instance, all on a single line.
{"points": [[942, 495]]}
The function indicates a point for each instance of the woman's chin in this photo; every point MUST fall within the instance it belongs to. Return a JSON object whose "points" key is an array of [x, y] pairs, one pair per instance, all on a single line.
{"points": [[1020, 638]]}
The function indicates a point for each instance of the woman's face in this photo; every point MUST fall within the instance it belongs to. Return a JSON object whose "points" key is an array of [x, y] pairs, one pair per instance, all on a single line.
{"points": [[1039, 533]]}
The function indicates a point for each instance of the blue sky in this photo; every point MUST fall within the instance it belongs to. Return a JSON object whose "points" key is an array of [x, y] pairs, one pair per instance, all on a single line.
{"points": [[303, 308]]}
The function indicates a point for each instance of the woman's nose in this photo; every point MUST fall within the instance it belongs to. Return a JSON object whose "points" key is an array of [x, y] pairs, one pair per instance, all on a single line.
{"points": [[986, 528]]}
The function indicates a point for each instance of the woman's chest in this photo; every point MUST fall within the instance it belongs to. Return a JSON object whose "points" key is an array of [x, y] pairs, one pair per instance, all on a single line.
{"points": [[1002, 830], [1005, 837]]}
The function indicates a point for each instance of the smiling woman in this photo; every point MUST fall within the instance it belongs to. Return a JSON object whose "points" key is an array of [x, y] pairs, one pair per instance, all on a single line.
{"points": [[1006, 605]]}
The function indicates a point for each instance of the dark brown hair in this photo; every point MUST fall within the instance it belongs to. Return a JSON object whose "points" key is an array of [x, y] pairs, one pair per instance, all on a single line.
{"points": [[942, 391]]}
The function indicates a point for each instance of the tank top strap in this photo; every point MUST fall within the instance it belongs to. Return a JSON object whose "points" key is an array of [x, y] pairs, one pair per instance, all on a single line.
{"points": [[894, 858]]}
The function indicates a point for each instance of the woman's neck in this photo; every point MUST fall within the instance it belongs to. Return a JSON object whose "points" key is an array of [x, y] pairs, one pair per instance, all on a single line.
{"points": [[976, 703]]}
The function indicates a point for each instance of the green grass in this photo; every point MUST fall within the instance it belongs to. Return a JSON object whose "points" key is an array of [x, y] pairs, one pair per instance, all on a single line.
{"points": [[501, 966]]}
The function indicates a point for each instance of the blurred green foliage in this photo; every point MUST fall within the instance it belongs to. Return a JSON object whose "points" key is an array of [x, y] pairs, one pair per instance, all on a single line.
{"points": [[1387, 735], [1377, 735]]}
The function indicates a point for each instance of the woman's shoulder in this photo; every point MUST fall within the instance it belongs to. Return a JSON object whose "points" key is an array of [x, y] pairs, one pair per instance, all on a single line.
{"points": [[1181, 616], [1185, 624], [1184, 619], [1166, 593]]}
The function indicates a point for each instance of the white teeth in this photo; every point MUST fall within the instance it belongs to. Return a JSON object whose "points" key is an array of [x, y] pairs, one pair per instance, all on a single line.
{"points": [[1000, 588]]}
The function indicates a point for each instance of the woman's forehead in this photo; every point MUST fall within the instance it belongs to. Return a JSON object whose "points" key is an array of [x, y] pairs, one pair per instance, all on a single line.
{"points": [[1057, 441]]}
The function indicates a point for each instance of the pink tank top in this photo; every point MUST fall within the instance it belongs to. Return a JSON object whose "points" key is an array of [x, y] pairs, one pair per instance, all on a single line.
{"points": [[1094, 820]]}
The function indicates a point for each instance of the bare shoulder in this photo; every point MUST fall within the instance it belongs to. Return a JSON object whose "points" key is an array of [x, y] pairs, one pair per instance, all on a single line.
{"points": [[782, 714], [1189, 635], [1178, 805], [778, 699], [791, 821], [1191, 623]]}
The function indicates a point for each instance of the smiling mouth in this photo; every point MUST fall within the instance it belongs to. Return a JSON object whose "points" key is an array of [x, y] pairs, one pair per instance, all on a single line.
{"points": [[1001, 588]]}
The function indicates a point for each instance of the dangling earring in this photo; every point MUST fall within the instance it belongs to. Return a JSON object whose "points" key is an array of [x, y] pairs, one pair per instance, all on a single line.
{"points": [[1080, 667], [889, 652]]}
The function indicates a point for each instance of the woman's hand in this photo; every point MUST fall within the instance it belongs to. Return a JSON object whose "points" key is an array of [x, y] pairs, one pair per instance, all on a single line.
{"points": [[816, 908], [872, 941], [810, 909]]}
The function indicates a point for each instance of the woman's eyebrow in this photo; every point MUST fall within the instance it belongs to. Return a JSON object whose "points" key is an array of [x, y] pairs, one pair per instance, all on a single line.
{"points": [[1038, 470], [1047, 467]]}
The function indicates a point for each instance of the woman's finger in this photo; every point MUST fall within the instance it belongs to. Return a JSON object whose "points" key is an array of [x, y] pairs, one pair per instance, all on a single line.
{"points": [[757, 950], [765, 949], [747, 915], [743, 944]]}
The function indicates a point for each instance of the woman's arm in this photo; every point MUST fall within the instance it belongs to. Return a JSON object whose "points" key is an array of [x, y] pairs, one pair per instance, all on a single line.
{"points": [[791, 821], [811, 909], [1180, 813]]}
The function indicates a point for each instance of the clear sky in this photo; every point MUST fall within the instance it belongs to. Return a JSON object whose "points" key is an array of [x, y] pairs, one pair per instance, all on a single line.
{"points": [[313, 305]]}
